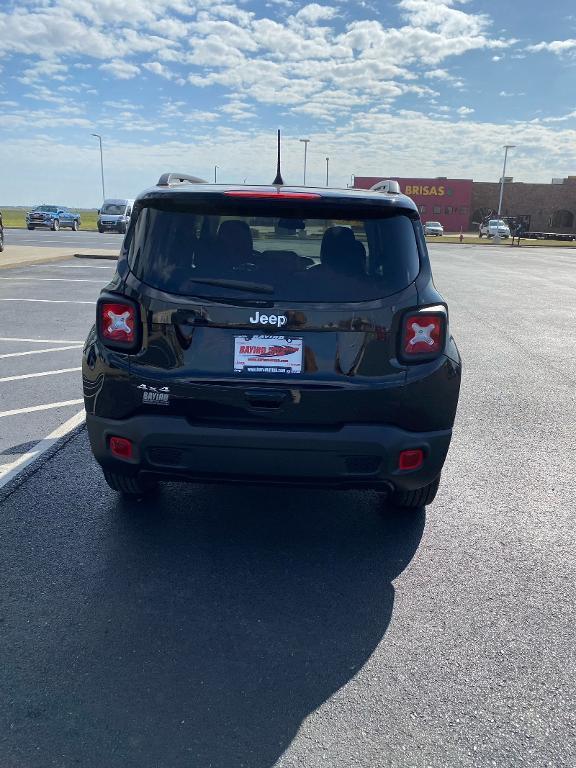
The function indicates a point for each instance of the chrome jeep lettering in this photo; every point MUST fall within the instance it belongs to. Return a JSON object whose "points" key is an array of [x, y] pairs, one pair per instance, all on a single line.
{"points": [[278, 320]]}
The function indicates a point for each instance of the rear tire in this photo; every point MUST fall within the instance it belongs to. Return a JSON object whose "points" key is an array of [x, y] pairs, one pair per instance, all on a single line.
{"points": [[74, 226], [1, 242], [129, 486], [414, 500]]}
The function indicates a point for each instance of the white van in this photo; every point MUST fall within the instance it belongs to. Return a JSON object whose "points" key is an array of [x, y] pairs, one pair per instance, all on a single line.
{"points": [[114, 216]]}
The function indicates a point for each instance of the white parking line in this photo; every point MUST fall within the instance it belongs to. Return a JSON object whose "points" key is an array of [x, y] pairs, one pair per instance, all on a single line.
{"points": [[45, 407], [52, 279], [9, 471], [42, 341], [42, 373], [41, 351], [111, 267], [52, 301]]}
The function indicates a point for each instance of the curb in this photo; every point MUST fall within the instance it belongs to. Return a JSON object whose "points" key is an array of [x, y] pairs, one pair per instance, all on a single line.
{"points": [[111, 257], [30, 262], [38, 463], [487, 244]]}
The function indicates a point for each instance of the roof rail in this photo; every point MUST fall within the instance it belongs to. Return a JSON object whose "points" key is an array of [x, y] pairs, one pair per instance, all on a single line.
{"points": [[171, 179], [386, 185]]}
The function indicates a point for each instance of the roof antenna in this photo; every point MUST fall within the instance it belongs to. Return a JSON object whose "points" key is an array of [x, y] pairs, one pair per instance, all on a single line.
{"points": [[278, 180]]}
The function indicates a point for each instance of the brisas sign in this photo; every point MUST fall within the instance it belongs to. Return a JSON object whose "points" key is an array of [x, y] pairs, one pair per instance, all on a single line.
{"points": [[415, 189]]}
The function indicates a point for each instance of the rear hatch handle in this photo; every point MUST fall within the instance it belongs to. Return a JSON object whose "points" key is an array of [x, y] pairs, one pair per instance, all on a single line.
{"points": [[266, 398]]}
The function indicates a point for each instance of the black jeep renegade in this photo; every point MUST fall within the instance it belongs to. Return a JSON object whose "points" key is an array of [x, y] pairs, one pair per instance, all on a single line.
{"points": [[276, 334]]}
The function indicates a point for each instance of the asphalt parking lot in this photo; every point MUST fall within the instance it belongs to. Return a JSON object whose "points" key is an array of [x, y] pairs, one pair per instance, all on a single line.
{"points": [[65, 238], [46, 311], [224, 627]]}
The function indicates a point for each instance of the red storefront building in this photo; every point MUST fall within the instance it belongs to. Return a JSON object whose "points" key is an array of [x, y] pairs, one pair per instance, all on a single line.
{"points": [[445, 200]]}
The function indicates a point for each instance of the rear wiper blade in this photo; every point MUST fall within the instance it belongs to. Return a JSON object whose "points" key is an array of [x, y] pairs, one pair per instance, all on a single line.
{"points": [[235, 302], [235, 285]]}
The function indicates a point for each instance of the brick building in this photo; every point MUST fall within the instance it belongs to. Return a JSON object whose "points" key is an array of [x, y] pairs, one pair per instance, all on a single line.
{"points": [[550, 207], [445, 200], [464, 203]]}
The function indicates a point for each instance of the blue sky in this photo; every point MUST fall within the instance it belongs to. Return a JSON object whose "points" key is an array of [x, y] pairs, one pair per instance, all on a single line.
{"points": [[405, 87]]}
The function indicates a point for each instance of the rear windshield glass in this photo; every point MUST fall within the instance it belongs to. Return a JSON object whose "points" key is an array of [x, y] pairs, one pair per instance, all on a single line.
{"points": [[325, 259]]}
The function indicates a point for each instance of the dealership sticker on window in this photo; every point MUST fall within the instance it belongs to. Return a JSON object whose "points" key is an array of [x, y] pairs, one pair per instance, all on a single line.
{"points": [[267, 354]]}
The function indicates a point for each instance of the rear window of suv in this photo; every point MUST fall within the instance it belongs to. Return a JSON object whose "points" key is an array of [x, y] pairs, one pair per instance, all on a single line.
{"points": [[344, 254]]}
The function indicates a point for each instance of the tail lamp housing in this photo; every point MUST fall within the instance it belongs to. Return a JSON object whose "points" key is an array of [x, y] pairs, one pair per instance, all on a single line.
{"points": [[423, 335], [121, 447], [410, 460], [118, 323]]}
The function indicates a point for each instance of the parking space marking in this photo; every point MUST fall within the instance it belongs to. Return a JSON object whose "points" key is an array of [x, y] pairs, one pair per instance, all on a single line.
{"points": [[44, 407], [9, 471], [73, 266], [52, 279], [41, 373], [42, 341], [41, 351], [52, 301]]}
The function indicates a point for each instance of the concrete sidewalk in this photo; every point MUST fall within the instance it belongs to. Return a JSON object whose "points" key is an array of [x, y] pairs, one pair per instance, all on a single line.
{"points": [[24, 255]]}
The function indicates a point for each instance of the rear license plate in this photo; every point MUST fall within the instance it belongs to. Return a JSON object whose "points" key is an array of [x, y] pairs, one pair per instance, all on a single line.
{"points": [[267, 354]]}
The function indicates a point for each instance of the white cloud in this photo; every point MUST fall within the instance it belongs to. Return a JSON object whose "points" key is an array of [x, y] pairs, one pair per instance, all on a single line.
{"points": [[158, 69], [291, 60], [464, 111], [54, 70], [356, 146], [121, 70], [558, 47], [313, 13]]}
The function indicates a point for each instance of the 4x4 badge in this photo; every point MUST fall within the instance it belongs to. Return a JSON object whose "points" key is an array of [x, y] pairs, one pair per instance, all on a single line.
{"points": [[148, 388]]}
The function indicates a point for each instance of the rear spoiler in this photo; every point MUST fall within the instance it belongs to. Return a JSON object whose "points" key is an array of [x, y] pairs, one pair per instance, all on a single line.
{"points": [[172, 179], [386, 185]]}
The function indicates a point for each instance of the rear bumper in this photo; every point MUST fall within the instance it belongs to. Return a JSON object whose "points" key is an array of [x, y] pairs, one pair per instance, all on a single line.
{"points": [[354, 456]]}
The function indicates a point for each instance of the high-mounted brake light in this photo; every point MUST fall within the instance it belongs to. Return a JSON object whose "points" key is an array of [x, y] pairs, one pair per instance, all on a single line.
{"points": [[423, 335], [118, 324], [273, 195]]}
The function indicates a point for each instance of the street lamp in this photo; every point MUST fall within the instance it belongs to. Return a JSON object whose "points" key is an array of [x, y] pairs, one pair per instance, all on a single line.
{"points": [[305, 142], [97, 135], [506, 148], [327, 166], [215, 169]]}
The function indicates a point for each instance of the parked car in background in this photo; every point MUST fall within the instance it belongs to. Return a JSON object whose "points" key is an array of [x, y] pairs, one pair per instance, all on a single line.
{"points": [[53, 217], [494, 227], [114, 216], [433, 228], [1, 234]]}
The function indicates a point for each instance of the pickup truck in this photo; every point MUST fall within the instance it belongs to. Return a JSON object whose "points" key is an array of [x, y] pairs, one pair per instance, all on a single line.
{"points": [[53, 217], [1, 234]]}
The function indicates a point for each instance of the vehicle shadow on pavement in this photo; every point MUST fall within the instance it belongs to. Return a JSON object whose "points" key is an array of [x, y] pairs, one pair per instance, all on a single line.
{"points": [[220, 618]]}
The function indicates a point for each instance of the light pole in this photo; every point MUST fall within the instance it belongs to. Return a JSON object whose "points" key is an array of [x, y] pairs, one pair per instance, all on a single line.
{"points": [[97, 135], [305, 142], [327, 172], [215, 169], [506, 148]]}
